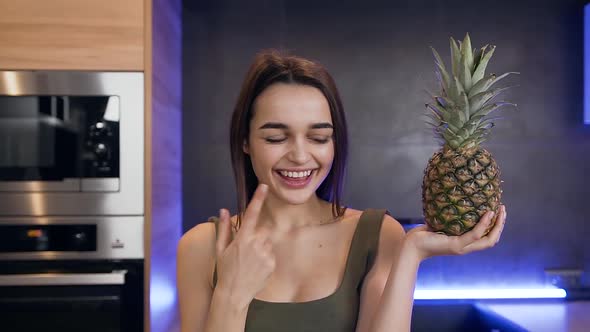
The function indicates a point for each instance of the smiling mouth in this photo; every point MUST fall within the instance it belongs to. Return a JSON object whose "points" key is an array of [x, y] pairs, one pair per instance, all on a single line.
{"points": [[296, 175], [296, 180]]}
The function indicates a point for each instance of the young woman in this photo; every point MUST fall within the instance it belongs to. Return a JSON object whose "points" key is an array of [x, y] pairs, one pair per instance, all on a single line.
{"points": [[293, 258]]}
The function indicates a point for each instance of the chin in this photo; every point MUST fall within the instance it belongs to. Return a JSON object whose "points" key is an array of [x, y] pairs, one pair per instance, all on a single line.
{"points": [[295, 198]]}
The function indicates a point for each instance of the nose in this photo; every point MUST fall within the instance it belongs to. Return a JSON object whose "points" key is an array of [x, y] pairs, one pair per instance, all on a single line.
{"points": [[298, 153]]}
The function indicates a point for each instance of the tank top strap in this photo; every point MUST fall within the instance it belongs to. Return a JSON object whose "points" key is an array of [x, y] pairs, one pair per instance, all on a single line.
{"points": [[215, 220], [364, 246], [375, 221]]}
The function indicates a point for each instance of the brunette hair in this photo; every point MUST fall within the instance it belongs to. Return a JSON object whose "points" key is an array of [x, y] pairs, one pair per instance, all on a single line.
{"points": [[273, 66]]}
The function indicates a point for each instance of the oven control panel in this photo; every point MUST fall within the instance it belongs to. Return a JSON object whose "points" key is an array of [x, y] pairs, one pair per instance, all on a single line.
{"points": [[39, 238], [71, 238]]}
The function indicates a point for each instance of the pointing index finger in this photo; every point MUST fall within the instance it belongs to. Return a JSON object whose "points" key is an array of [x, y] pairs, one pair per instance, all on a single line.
{"points": [[253, 210]]}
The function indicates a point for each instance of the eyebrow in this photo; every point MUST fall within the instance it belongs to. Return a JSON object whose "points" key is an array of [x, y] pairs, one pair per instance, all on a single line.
{"points": [[278, 125]]}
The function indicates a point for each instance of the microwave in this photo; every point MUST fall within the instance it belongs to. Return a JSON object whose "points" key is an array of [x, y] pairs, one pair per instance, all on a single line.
{"points": [[71, 143]]}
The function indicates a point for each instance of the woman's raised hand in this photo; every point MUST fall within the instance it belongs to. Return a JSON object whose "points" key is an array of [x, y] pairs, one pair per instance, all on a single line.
{"points": [[244, 264], [428, 243]]}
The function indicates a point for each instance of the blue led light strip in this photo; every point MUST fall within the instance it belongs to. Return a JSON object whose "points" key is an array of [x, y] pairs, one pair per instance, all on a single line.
{"points": [[522, 293], [587, 64]]}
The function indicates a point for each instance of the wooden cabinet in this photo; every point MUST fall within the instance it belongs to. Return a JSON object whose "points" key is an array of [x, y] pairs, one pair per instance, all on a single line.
{"points": [[72, 34]]}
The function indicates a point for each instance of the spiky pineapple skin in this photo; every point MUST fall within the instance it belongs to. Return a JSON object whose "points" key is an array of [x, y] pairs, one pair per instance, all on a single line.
{"points": [[458, 188]]}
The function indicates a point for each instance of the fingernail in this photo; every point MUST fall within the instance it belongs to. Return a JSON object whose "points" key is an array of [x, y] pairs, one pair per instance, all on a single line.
{"points": [[263, 187]]}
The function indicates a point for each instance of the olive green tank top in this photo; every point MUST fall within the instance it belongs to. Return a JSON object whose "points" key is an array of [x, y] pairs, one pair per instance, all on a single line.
{"points": [[337, 312]]}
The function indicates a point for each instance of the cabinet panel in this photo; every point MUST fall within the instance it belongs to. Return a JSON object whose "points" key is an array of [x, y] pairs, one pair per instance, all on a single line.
{"points": [[71, 34]]}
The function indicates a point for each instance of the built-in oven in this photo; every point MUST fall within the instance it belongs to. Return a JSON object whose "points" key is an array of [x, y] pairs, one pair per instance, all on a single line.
{"points": [[71, 274], [71, 143]]}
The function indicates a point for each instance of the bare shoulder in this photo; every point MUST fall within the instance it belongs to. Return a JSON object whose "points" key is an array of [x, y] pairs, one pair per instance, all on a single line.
{"points": [[199, 241], [196, 251], [391, 231], [390, 239], [391, 228], [200, 236], [194, 275]]}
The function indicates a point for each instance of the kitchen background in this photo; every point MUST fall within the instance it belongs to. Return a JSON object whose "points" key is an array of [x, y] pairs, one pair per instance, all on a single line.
{"points": [[378, 53], [194, 55]]}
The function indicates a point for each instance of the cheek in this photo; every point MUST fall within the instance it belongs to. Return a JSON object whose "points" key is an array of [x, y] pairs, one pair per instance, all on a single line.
{"points": [[329, 152], [264, 157], [326, 156]]}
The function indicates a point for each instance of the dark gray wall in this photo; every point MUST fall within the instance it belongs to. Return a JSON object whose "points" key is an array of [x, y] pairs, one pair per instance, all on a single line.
{"points": [[378, 54]]}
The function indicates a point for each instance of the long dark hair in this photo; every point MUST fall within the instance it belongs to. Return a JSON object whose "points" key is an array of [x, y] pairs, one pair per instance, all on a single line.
{"points": [[273, 66]]}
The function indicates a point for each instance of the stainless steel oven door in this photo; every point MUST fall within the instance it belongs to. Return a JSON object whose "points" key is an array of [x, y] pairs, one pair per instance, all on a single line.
{"points": [[71, 143], [59, 143], [64, 302]]}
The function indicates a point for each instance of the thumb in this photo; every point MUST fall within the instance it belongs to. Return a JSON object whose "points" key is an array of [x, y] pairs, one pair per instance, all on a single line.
{"points": [[224, 229]]}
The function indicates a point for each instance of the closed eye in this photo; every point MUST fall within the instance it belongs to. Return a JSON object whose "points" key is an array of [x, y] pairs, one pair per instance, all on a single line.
{"points": [[275, 140], [321, 140], [315, 139]]}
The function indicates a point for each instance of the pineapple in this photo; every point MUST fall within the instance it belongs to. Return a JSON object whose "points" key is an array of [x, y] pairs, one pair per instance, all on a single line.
{"points": [[462, 180]]}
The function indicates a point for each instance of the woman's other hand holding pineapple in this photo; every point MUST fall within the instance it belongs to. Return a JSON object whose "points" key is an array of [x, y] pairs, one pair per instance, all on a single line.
{"points": [[427, 243], [395, 309]]}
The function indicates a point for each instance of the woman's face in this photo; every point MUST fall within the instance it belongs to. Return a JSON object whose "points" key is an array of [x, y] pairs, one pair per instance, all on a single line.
{"points": [[290, 143]]}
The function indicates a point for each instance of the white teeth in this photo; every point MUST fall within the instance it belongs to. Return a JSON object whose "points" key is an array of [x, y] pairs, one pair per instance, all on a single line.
{"points": [[296, 175]]}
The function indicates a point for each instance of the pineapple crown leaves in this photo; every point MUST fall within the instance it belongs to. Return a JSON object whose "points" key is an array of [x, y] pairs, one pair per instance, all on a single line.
{"points": [[459, 112]]}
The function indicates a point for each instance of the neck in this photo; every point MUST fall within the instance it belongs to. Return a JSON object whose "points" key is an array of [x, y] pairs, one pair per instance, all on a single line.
{"points": [[282, 216]]}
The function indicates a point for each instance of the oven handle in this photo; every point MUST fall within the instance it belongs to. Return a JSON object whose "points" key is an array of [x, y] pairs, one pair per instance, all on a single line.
{"points": [[64, 279]]}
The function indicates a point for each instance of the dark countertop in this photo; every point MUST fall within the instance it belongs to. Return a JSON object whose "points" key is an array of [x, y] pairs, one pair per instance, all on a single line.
{"points": [[545, 316]]}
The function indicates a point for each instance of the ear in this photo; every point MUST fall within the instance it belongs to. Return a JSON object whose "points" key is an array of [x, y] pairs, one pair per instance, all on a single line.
{"points": [[245, 147]]}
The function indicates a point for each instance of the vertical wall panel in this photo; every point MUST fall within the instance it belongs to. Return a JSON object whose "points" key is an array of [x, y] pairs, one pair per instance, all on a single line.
{"points": [[166, 159]]}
